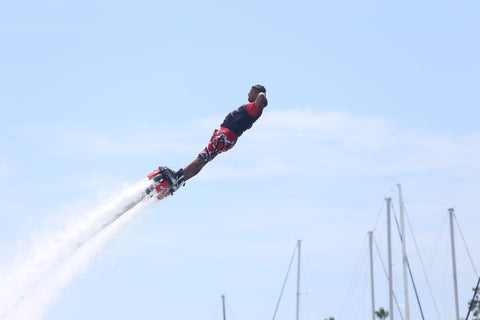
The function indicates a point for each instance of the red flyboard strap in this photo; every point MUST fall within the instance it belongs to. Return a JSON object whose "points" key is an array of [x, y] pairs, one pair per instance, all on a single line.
{"points": [[163, 190], [162, 187], [163, 195], [153, 174]]}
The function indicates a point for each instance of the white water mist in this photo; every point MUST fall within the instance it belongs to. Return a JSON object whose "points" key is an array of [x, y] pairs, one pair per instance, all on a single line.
{"points": [[30, 287]]}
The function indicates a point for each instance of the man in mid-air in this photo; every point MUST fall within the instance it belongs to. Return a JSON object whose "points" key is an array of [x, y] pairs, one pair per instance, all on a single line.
{"points": [[224, 138]]}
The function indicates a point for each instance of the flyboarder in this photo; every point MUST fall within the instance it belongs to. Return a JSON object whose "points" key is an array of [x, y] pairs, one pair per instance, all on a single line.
{"points": [[223, 139]]}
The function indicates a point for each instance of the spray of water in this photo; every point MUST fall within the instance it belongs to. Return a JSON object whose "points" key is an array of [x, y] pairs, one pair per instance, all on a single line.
{"points": [[29, 288]]}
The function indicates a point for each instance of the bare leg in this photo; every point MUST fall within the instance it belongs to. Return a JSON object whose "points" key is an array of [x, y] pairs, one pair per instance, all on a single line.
{"points": [[193, 168]]}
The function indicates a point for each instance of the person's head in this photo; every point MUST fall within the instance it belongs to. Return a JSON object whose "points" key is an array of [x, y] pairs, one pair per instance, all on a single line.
{"points": [[254, 91]]}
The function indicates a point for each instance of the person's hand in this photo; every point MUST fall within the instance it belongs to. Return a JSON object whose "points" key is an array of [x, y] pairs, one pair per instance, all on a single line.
{"points": [[261, 100]]}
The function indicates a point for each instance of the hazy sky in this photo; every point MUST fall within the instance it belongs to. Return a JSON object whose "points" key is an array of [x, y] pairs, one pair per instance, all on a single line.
{"points": [[362, 96]]}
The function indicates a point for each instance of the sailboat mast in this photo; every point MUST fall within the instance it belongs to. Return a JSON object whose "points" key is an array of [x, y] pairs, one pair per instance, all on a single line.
{"points": [[390, 280], [404, 253], [299, 244], [370, 242], [223, 304], [454, 264]]}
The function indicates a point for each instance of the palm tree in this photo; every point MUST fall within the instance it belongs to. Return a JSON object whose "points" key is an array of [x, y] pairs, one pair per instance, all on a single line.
{"points": [[474, 305], [381, 313]]}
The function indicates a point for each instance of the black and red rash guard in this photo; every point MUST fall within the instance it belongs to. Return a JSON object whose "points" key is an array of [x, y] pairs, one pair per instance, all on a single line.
{"points": [[242, 119]]}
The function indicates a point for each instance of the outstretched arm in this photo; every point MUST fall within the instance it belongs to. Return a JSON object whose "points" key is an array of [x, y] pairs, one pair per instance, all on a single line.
{"points": [[261, 100]]}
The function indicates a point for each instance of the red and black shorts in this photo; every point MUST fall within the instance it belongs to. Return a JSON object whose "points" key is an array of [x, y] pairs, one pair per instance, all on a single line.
{"points": [[221, 140]]}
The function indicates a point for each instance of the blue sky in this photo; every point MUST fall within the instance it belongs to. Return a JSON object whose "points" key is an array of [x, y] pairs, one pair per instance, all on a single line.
{"points": [[96, 94]]}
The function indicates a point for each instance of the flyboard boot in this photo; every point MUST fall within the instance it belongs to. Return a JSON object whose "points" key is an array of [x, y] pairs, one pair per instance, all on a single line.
{"points": [[165, 182]]}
